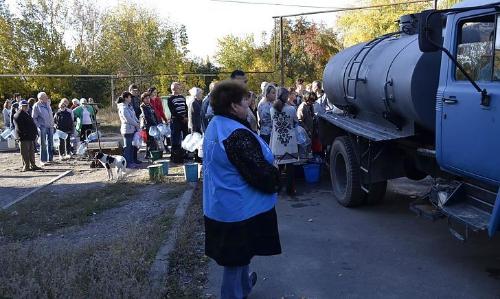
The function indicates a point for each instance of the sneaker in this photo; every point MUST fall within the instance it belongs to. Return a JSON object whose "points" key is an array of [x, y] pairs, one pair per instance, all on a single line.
{"points": [[36, 168], [253, 278], [67, 156]]}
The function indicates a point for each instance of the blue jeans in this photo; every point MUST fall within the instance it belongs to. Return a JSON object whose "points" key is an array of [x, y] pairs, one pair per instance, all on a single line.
{"points": [[128, 150], [46, 144], [236, 283]]}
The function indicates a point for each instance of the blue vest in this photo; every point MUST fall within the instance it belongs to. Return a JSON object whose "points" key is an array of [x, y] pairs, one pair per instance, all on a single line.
{"points": [[227, 197]]}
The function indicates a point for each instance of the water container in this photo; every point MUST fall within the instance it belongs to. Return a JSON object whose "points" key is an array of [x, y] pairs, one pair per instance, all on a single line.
{"points": [[312, 172], [164, 164], [155, 172], [6, 134], [191, 172], [11, 143], [61, 134], [156, 155]]}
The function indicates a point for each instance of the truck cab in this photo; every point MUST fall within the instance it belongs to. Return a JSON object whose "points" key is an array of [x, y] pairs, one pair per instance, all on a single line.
{"points": [[467, 139]]}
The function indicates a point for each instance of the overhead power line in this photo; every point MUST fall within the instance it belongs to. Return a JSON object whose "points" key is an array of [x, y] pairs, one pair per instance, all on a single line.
{"points": [[352, 8], [273, 4]]}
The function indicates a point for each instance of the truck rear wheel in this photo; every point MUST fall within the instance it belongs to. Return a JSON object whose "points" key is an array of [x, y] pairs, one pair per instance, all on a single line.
{"points": [[345, 173]]}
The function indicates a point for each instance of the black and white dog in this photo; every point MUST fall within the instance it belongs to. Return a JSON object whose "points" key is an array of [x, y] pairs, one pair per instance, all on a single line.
{"points": [[110, 162]]}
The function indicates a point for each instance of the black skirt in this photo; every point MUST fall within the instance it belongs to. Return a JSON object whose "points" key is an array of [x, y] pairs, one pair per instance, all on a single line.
{"points": [[233, 244]]}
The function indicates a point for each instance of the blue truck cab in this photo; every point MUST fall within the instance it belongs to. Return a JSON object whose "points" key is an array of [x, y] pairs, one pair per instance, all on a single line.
{"points": [[424, 101]]}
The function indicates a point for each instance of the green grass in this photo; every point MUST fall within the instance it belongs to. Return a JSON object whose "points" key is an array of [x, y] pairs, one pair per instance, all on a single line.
{"points": [[46, 212], [109, 268]]}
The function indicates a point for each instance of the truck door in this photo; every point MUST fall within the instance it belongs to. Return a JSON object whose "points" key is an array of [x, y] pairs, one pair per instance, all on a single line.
{"points": [[469, 141]]}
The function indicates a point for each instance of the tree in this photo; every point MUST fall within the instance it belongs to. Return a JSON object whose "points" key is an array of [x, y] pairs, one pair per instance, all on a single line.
{"points": [[363, 25], [307, 46], [86, 22], [9, 60]]}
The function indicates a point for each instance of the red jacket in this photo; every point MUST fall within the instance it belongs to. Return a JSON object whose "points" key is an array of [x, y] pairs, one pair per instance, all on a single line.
{"points": [[158, 108]]}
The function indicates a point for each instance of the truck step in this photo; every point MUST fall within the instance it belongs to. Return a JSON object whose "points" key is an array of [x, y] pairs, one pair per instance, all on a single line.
{"points": [[423, 208], [469, 215], [469, 204]]}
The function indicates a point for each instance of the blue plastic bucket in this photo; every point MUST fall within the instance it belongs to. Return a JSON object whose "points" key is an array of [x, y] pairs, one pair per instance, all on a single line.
{"points": [[312, 172], [191, 172], [164, 164]]}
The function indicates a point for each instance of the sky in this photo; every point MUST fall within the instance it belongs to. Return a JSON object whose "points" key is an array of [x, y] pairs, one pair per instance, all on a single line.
{"points": [[208, 20]]}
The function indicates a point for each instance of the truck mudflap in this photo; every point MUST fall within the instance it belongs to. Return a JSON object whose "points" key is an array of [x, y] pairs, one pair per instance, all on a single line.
{"points": [[366, 129], [476, 207], [494, 224]]}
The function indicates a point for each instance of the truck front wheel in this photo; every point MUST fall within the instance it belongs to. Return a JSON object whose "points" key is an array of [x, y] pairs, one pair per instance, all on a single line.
{"points": [[345, 173]]}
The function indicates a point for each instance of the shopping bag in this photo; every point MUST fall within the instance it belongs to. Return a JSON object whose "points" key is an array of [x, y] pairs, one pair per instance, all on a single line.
{"points": [[136, 141], [164, 130], [82, 149], [60, 134], [93, 137], [7, 133], [154, 132], [192, 142], [302, 136]]}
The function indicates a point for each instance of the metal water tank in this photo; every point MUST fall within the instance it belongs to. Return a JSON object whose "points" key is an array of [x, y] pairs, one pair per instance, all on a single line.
{"points": [[388, 81]]}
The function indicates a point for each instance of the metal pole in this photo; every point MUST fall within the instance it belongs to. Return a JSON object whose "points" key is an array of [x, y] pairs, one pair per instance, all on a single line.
{"points": [[112, 92], [282, 64], [435, 4]]}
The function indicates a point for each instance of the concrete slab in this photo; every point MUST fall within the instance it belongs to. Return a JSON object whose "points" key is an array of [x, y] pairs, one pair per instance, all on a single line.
{"points": [[382, 251]]}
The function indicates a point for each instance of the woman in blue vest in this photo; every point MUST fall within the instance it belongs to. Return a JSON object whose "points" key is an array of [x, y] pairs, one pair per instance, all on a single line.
{"points": [[240, 185]]}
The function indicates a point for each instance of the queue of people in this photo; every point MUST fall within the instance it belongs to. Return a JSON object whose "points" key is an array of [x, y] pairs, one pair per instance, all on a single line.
{"points": [[35, 121]]}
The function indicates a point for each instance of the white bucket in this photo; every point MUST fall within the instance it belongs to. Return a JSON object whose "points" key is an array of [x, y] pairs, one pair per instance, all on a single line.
{"points": [[11, 143]]}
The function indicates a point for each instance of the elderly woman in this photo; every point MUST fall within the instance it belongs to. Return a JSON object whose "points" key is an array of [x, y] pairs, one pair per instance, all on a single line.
{"points": [[6, 114], [264, 112], [129, 125], [63, 120], [147, 120], [252, 112], [284, 138], [85, 118], [240, 186], [305, 112], [194, 110]]}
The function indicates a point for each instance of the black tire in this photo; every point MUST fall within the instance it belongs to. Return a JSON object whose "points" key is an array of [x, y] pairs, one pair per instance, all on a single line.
{"points": [[376, 194], [345, 173]]}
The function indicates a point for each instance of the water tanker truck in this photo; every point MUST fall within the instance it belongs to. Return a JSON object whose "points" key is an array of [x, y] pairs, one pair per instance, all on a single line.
{"points": [[423, 101]]}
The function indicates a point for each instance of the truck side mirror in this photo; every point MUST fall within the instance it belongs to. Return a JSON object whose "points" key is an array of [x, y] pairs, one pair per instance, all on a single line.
{"points": [[430, 37]]}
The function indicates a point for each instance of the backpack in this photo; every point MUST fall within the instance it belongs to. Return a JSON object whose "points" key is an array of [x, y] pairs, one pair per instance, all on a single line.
{"points": [[64, 121]]}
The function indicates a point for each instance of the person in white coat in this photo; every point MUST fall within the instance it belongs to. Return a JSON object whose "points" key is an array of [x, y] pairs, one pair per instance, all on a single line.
{"points": [[284, 137], [129, 126]]}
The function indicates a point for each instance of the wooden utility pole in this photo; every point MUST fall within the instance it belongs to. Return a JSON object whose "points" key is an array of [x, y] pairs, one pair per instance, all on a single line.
{"points": [[112, 92], [282, 64]]}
